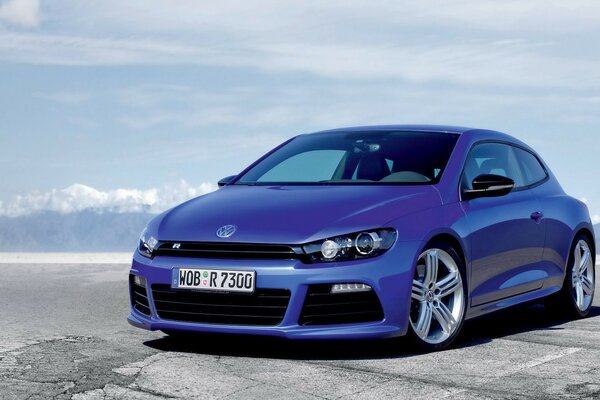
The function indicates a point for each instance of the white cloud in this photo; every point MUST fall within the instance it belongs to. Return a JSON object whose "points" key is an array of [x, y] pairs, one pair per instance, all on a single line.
{"points": [[478, 62], [79, 197], [469, 42], [596, 219], [262, 18], [64, 97], [24, 13]]}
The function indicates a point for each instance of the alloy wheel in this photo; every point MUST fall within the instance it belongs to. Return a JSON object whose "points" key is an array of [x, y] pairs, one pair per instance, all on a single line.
{"points": [[437, 300], [582, 276]]}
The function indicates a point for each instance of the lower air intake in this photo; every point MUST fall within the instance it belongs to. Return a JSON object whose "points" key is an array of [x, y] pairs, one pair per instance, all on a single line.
{"points": [[263, 307]]}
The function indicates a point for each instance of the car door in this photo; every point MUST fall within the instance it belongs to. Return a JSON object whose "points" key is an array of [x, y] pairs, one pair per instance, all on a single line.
{"points": [[506, 233]]}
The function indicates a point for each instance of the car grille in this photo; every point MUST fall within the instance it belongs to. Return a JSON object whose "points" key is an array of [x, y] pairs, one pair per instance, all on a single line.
{"points": [[139, 297], [263, 307], [321, 307], [229, 250]]}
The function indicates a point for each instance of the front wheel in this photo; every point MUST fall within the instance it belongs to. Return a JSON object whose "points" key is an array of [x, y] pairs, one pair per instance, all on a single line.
{"points": [[438, 299]]}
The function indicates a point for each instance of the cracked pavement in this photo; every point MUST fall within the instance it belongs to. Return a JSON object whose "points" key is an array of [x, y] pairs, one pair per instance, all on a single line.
{"points": [[64, 336]]}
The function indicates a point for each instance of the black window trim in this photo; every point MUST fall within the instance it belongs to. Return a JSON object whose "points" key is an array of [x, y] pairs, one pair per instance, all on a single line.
{"points": [[511, 144]]}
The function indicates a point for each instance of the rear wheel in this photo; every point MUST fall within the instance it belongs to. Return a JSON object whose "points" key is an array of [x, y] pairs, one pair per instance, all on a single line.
{"points": [[438, 299], [577, 293]]}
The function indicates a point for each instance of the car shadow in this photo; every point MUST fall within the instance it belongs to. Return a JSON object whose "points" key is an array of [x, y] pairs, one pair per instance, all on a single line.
{"points": [[512, 321], [279, 348], [481, 330]]}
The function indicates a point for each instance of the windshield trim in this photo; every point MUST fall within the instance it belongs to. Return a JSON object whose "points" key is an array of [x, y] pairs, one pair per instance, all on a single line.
{"points": [[355, 183]]}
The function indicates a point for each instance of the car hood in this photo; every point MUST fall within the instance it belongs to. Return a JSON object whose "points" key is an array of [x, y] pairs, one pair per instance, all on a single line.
{"points": [[291, 214]]}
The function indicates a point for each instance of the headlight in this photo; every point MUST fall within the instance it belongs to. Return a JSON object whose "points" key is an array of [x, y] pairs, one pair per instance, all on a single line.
{"points": [[351, 247], [148, 244]]}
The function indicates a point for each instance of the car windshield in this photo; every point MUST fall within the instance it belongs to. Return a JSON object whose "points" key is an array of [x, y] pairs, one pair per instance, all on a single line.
{"points": [[380, 157]]}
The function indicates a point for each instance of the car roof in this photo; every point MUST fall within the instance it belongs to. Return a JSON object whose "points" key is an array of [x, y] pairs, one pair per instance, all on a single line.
{"points": [[469, 134], [412, 128]]}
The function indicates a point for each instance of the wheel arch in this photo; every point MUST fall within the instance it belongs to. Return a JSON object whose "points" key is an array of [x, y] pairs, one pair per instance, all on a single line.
{"points": [[453, 241], [590, 235]]}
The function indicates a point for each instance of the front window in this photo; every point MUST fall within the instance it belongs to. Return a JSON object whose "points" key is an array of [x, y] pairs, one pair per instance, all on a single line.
{"points": [[356, 158]]}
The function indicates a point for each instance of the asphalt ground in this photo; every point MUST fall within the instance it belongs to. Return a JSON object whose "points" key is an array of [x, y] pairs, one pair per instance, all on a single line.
{"points": [[64, 334]]}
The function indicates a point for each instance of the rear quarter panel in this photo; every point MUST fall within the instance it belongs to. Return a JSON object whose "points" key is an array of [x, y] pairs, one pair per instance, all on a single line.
{"points": [[564, 216]]}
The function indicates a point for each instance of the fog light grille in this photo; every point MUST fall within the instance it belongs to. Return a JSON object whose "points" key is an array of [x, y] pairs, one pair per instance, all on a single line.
{"points": [[322, 307], [139, 296]]}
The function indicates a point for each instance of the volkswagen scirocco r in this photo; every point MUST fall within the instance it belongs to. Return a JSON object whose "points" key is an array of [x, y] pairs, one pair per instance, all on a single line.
{"points": [[368, 232]]}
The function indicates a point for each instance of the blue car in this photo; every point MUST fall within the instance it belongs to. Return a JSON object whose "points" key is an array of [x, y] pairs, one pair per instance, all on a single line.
{"points": [[368, 232]]}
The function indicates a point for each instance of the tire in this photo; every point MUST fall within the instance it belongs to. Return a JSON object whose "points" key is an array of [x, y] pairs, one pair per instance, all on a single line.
{"points": [[438, 299], [576, 296]]}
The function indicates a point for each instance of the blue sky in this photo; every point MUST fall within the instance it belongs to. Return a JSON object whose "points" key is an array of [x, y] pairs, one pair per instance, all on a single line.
{"points": [[154, 101]]}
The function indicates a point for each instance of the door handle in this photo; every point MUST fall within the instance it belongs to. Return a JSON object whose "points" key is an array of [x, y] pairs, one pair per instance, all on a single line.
{"points": [[537, 216]]}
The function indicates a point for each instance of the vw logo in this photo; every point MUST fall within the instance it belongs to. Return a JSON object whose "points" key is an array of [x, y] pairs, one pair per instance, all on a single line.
{"points": [[226, 231]]}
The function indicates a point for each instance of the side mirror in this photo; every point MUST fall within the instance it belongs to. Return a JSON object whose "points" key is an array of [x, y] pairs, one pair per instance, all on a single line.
{"points": [[226, 181], [489, 186]]}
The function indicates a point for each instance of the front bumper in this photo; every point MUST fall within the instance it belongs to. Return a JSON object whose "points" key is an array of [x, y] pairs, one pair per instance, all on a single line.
{"points": [[390, 275]]}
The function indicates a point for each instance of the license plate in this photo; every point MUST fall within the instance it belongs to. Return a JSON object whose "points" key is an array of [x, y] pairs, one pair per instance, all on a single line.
{"points": [[214, 279]]}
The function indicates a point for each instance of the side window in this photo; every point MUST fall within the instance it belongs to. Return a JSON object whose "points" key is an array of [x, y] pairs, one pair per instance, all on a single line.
{"points": [[494, 159], [310, 166], [533, 171]]}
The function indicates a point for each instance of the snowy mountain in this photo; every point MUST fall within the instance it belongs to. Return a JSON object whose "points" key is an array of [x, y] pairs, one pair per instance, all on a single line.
{"points": [[83, 231]]}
